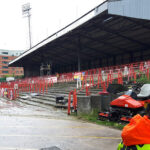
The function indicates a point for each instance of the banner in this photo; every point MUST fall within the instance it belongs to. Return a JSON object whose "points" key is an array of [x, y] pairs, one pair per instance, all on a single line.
{"points": [[54, 79], [79, 75]]}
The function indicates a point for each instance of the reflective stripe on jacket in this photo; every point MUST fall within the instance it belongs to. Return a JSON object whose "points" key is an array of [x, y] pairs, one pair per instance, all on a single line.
{"points": [[121, 146]]}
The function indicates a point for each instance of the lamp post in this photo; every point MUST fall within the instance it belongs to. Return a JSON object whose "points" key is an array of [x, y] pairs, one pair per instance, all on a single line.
{"points": [[26, 13]]}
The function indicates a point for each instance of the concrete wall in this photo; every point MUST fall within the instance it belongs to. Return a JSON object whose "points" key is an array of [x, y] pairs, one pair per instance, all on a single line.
{"points": [[102, 102], [86, 104], [96, 102]]}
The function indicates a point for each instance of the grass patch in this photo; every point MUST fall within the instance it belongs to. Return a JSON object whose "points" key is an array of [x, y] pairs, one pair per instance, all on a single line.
{"points": [[93, 117]]}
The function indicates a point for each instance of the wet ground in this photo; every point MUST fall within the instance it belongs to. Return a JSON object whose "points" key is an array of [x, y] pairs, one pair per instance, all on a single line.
{"points": [[25, 127]]}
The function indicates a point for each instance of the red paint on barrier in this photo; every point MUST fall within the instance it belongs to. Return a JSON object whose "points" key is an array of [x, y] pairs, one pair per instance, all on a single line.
{"points": [[69, 102]]}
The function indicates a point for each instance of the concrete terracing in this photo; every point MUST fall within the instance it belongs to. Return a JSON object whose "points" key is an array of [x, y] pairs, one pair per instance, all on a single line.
{"points": [[49, 98]]}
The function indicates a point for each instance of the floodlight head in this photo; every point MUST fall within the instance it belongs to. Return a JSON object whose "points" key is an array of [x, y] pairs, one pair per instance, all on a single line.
{"points": [[26, 8], [26, 13]]}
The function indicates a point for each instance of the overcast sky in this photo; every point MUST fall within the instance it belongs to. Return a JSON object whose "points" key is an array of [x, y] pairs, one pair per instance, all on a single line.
{"points": [[48, 16]]}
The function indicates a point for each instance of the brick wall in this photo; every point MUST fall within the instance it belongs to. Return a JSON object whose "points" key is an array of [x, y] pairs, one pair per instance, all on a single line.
{"points": [[5, 70]]}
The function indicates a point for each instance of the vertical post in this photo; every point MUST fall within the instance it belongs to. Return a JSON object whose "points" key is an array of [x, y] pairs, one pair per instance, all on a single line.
{"points": [[114, 60], [122, 59], [29, 16], [131, 57], [141, 55], [26, 13], [100, 62], [78, 54], [107, 61], [69, 102]]}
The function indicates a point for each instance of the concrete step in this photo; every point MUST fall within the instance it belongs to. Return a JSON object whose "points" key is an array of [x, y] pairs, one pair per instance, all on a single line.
{"points": [[67, 84], [53, 94], [50, 96], [59, 92], [63, 87], [29, 102], [44, 98], [59, 86], [43, 103], [66, 93], [56, 93]]}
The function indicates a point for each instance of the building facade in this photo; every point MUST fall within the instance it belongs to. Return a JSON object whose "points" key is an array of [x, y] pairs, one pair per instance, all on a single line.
{"points": [[5, 57]]}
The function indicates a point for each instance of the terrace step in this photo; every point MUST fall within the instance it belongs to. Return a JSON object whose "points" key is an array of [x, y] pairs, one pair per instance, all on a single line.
{"points": [[43, 103]]}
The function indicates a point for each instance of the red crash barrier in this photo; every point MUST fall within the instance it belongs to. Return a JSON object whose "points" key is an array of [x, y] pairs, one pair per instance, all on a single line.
{"points": [[74, 103]]}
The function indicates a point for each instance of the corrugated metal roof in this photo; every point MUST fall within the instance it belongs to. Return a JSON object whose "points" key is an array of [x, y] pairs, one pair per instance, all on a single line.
{"points": [[89, 15], [130, 8]]}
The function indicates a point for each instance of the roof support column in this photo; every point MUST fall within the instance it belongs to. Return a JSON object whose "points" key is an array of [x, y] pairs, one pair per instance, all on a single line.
{"points": [[141, 55], [131, 57], [100, 62], [114, 60], [78, 54], [122, 59]]}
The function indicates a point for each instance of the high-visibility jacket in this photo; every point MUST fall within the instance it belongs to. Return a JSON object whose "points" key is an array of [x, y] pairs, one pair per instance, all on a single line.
{"points": [[121, 146], [137, 132]]}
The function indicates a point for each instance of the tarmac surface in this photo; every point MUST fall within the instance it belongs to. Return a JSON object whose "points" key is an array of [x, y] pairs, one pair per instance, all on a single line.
{"points": [[26, 127]]}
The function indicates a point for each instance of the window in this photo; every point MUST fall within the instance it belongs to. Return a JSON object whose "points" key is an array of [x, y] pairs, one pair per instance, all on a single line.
{"points": [[4, 66], [4, 62], [5, 53], [4, 57], [4, 71]]}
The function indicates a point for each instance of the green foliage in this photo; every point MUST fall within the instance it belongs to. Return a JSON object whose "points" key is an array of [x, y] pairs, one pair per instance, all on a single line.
{"points": [[2, 79], [16, 77], [19, 77], [143, 80], [8, 75], [93, 117]]}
